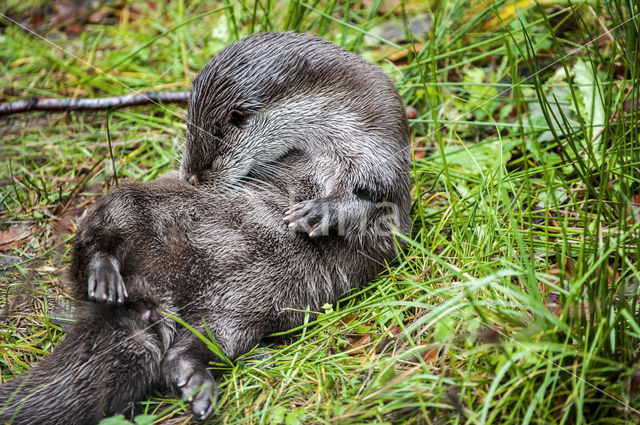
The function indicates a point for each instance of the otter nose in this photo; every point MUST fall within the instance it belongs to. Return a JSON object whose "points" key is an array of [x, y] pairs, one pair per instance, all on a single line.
{"points": [[190, 178]]}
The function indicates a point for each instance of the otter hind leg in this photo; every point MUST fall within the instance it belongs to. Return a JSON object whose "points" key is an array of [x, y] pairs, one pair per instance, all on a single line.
{"points": [[197, 386], [105, 282], [185, 372]]}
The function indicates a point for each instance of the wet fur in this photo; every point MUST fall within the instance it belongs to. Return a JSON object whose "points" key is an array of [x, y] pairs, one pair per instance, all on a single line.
{"points": [[228, 259], [220, 250], [272, 93]]}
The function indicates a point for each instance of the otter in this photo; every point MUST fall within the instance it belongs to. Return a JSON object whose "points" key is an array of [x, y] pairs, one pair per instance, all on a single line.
{"points": [[212, 249]]}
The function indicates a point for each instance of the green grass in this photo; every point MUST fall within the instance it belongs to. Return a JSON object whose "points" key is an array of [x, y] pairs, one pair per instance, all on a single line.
{"points": [[517, 299]]}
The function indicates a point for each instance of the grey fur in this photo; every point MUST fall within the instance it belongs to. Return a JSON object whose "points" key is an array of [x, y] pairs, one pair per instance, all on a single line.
{"points": [[272, 93], [220, 250]]}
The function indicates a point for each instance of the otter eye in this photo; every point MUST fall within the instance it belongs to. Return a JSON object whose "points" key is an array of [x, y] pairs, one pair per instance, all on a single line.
{"points": [[237, 118]]}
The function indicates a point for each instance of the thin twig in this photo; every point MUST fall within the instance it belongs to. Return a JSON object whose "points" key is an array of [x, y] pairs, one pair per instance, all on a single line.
{"points": [[91, 104]]}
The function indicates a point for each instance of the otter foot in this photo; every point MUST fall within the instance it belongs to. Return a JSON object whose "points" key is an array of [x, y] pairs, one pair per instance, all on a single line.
{"points": [[105, 281], [197, 386], [316, 217]]}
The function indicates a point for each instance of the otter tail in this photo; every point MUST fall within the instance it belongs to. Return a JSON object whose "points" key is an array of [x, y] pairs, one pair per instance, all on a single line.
{"points": [[110, 359]]}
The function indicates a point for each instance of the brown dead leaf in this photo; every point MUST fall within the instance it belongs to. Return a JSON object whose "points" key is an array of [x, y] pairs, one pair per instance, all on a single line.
{"points": [[347, 319], [384, 7], [419, 148], [633, 209], [430, 355], [411, 112], [489, 335], [35, 21], [74, 28], [13, 237], [111, 14], [553, 303], [357, 348], [72, 15], [632, 104], [552, 298], [401, 57], [100, 15]]}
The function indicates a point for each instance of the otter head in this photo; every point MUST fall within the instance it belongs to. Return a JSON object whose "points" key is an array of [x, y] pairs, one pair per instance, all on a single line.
{"points": [[219, 110], [234, 117]]}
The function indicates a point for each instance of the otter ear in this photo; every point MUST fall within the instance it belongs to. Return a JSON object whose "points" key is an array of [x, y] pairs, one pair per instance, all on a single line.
{"points": [[237, 118]]}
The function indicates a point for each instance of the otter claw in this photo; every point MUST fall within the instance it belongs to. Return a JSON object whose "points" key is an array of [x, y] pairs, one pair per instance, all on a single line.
{"points": [[201, 391], [105, 282], [314, 217]]}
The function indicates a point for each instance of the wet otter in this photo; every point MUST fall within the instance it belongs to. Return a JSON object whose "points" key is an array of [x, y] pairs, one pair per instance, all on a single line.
{"points": [[215, 251]]}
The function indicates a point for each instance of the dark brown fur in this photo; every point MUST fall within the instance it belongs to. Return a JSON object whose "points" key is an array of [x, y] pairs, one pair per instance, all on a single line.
{"points": [[220, 250]]}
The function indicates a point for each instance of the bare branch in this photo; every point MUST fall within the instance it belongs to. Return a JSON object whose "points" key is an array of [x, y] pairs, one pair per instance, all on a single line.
{"points": [[92, 104]]}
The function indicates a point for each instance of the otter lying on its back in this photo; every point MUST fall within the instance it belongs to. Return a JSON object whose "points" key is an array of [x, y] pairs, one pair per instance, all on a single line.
{"points": [[229, 260], [278, 122]]}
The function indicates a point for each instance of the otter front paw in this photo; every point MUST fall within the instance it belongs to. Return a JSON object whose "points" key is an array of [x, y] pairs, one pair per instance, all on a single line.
{"points": [[316, 217], [198, 387], [105, 281]]}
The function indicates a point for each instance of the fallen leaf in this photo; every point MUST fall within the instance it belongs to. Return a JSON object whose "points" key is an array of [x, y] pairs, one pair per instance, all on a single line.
{"points": [[489, 335], [35, 21], [72, 15], [430, 355], [411, 112], [421, 276], [357, 347], [13, 238], [633, 210], [74, 28], [400, 57], [419, 147]]}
